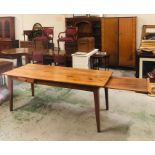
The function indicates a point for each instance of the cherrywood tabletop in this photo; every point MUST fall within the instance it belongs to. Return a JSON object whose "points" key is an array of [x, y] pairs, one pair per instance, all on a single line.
{"points": [[87, 77]]}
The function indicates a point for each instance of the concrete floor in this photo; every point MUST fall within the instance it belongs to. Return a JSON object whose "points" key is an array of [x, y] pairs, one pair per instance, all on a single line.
{"points": [[63, 114]]}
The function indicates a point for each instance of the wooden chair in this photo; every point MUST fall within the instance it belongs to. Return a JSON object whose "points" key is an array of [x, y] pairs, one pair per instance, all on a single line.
{"points": [[59, 60], [68, 36], [37, 57], [49, 32], [40, 44]]}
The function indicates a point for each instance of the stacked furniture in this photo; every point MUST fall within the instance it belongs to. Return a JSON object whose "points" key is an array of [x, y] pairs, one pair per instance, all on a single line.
{"points": [[87, 27], [115, 35], [145, 56]]}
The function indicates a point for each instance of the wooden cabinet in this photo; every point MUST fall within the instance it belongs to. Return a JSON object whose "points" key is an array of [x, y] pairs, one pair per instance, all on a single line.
{"points": [[110, 39], [119, 40], [127, 41], [7, 28], [7, 33]]}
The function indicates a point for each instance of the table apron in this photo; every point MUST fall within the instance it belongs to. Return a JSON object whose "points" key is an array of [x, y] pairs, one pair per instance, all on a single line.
{"points": [[56, 84], [67, 85]]}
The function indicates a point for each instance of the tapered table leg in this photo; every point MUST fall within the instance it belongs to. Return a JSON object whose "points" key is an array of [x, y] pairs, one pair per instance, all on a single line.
{"points": [[10, 87], [106, 99], [19, 61], [32, 88], [27, 59], [97, 108]]}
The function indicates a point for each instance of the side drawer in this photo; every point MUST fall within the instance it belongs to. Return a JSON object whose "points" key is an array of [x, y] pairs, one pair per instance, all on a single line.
{"points": [[26, 44]]}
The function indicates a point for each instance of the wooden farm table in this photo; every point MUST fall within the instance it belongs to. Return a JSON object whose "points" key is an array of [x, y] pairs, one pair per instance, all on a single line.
{"points": [[82, 79]]}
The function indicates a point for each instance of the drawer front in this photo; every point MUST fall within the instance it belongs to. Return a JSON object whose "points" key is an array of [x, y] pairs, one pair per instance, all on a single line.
{"points": [[5, 45], [25, 44]]}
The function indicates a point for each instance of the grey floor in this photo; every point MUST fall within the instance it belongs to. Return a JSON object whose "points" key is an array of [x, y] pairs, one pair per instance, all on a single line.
{"points": [[62, 114]]}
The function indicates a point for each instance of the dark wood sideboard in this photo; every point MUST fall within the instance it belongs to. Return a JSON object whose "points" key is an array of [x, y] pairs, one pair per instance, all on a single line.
{"points": [[7, 33]]}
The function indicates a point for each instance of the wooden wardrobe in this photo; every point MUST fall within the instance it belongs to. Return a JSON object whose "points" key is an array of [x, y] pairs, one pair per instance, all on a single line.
{"points": [[119, 40]]}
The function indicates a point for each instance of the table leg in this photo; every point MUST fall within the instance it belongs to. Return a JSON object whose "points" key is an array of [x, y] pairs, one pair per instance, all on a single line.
{"points": [[19, 61], [97, 108], [27, 59], [32, 88], [10, 86], [106, 99], [105, 62]]}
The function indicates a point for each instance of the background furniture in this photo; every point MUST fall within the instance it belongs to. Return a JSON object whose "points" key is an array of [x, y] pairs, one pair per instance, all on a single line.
{"points": [[6, 44], [68, 36], [82, 60], [26, 44], [119, 40], [59, 60], [100, 60], [145, 56], [7, 33], [7, 28], [147, 34], [40, 43], [48, 55], [37, 57], [38, 33], [144, 63], [86, 44], [87, 27]]}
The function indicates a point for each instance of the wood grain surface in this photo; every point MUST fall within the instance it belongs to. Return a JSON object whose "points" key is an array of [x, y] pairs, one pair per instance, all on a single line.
{"points": [[86, 77], [128, 83]]}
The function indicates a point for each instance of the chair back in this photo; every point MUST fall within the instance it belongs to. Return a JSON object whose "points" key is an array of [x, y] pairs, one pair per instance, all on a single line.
{"points": [[71, 32], [48, 31], [41, 43], [59, 60]]}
